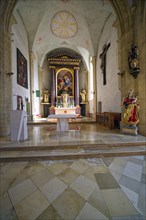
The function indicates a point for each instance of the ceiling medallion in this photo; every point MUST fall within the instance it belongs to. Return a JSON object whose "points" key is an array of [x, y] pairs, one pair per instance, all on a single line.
{"points": [[64, 25]]}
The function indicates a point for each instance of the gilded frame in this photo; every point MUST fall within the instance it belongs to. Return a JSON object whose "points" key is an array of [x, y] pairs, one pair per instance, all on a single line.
{"points": [[65, 82]]}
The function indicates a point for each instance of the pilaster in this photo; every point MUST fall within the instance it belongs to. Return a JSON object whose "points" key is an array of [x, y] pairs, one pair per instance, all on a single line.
{"points": [[53, 88]]}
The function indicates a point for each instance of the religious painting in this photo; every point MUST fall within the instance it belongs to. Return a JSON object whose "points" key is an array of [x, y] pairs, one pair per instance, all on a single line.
{"points": [[65, 82], [22, 78], [19, 103]]}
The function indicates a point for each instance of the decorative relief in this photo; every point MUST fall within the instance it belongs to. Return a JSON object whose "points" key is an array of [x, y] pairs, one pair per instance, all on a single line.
{"points": [[64, 25]]}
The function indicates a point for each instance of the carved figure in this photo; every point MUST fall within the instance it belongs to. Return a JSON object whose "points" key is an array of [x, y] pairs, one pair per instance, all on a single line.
{"points": [[102, 56], [83, 95], [46, 95], [133, 61], [130, 116]]}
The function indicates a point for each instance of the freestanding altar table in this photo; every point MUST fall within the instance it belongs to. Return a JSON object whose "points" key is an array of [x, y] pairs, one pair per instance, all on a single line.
{"points": [[62, 121]]}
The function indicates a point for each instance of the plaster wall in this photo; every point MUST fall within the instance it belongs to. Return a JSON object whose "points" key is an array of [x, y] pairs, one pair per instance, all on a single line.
{"points": [[83, 78], [20, 41], [35, 87], [46, 76], [109, 95]]}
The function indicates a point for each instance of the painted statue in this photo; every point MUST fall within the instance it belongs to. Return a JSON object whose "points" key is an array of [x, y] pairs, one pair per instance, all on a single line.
{"points": [[130, 116], [46, 96], [83, 95]]}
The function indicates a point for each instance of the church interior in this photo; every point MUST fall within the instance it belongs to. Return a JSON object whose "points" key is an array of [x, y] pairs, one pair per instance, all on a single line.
{"points": [[73, 109]]}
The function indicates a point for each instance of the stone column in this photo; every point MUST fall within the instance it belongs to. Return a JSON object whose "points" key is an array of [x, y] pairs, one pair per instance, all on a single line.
{"points": [[5, 81], [53, 89], [76, 83], [76, 80], [40, 72], [32, 60], [94, 88]]}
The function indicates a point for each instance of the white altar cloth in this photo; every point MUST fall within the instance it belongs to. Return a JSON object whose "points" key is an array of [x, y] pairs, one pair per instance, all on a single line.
{"points": [[62, 121], [66, 111]]}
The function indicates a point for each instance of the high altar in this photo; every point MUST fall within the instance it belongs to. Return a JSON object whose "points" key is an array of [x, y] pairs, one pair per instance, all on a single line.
{"points": [[65, 106], [64, 92]]}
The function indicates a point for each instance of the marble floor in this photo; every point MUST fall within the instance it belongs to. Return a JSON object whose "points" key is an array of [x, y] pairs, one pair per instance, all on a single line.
{"points": [[84, 189], [40, 134], [111, 188]]}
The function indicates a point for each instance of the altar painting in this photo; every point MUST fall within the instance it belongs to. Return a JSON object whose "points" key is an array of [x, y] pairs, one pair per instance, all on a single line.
{"points": [[65, 82]]}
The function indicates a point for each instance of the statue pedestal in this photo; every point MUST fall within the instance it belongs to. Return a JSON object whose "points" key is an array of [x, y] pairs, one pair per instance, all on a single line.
{"points": [[130, 129], [83, 109]]}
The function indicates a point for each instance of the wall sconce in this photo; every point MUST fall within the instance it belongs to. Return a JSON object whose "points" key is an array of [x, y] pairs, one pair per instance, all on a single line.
{"points": [[9, 74], [11, 36], [37, 92], [121, 74]]}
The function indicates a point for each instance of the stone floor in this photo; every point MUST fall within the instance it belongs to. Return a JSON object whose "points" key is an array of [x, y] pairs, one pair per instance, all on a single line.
{"points": [[111, 188]]}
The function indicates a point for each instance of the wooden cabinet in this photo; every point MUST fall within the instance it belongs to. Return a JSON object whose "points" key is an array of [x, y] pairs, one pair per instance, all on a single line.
{"points": [[109, 119]]}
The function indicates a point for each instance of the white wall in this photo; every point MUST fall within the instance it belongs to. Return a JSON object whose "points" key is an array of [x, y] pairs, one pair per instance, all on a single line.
{"points": [[20, 41], [35, 86], [46, 80], [109, 94]]}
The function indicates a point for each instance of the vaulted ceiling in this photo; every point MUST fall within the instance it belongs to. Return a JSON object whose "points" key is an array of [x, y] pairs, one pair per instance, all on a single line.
{"points": [[74, 24]]}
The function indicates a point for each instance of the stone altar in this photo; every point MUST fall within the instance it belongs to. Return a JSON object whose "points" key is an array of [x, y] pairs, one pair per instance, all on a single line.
{"points": [[62, 121]]}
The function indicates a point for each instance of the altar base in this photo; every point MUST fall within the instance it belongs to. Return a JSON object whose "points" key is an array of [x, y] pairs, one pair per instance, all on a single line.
{"points": [[62, 121], [62, 124]]}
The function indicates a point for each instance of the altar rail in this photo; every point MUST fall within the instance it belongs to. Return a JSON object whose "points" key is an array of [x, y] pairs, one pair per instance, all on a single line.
{"points": [[109, 119]]}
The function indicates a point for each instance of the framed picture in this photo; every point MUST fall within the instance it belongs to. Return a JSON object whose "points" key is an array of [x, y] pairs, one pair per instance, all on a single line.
{"points": [[22, 77], [19, 103], [64, 82]]}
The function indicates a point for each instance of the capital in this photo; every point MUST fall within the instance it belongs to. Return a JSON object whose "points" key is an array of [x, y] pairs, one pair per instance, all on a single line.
{"points": [[76, 68], [52, 67]]}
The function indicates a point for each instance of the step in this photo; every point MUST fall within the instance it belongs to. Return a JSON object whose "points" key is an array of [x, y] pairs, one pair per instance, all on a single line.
{"points": [[78, 153], [66, 145]]}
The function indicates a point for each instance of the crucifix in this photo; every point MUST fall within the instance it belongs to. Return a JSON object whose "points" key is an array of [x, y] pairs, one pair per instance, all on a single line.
{"points": [[102, 56]]}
